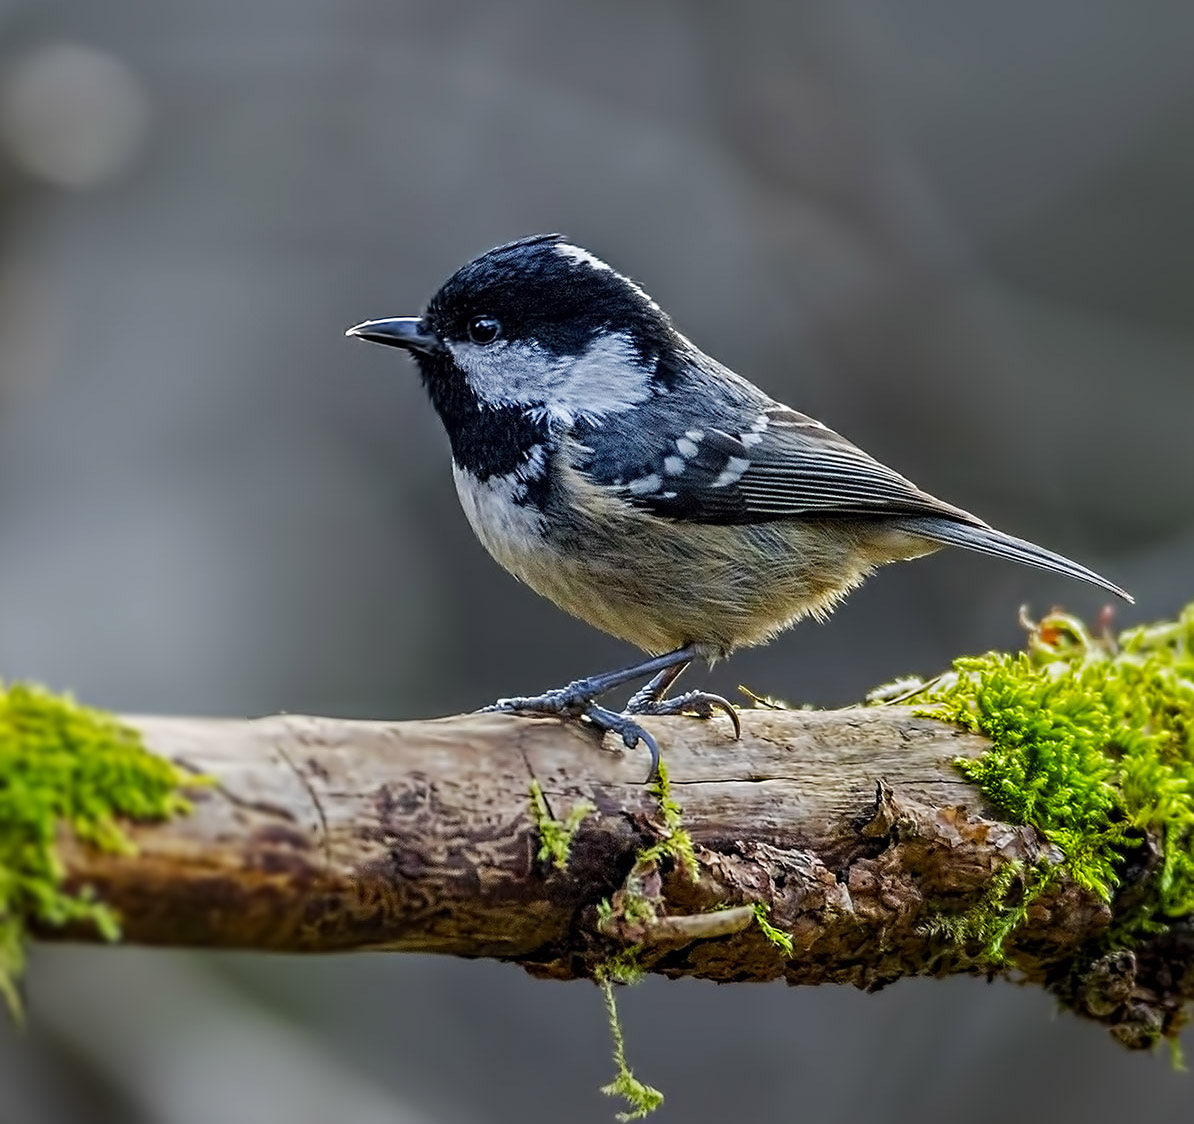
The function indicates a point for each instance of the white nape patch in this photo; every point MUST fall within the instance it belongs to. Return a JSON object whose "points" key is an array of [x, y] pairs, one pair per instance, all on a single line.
{"points": [[607, 378], [732, 472], [582, 256], [645, 485], [512, 532], [751, 438], [673, 466], [687, 446]]}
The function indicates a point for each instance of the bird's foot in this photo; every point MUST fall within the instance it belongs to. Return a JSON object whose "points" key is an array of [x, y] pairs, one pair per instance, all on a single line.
{"points": [[563, 702], [631, 733], [573, 702], [699, 704]]}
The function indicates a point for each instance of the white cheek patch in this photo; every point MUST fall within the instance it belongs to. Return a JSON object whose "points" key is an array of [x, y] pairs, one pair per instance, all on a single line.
{"points": [[608, 378], [503, 371]]}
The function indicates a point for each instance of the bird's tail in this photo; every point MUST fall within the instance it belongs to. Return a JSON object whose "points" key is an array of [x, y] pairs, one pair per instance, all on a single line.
{"points": [[986, 540]]}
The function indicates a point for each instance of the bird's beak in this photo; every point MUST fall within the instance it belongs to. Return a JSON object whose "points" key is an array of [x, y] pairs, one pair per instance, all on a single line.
{"points": [[400, 331]]}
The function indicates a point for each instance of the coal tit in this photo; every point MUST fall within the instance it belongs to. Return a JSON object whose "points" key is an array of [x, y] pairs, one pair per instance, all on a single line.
{"points": [[605, 460]]}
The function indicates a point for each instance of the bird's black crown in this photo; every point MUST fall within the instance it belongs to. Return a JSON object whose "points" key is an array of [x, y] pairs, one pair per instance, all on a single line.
{"points": [[543, 288]]}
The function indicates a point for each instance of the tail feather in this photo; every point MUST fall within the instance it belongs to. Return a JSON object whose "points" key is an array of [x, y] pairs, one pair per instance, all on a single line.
{"points": [[986, 540]]}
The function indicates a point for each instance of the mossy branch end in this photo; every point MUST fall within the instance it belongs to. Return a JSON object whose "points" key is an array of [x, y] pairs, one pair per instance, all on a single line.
{"points": [[880, 842], [66, 768]]}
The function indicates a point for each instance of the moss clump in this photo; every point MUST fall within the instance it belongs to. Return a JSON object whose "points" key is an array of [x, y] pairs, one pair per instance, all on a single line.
{"points": [[998, 913], [555, 836], [781, 940], [675, 842], [643, 1099], [1093, 744], [634, 906], [63, 765]]}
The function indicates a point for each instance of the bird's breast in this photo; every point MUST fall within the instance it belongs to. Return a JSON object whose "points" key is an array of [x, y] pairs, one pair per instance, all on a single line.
{"points": [[509, 527]]}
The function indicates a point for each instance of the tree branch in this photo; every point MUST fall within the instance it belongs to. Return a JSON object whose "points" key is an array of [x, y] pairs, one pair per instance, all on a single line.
{"points": [[852, 827]]}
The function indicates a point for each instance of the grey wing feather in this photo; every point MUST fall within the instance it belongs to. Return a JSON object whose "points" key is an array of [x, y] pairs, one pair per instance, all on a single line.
{"points": [[801, 468], [764, 462], [987, 540]]}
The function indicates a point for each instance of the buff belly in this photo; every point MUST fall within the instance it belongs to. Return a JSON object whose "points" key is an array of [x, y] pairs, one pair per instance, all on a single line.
{"points": [[663, 584]]}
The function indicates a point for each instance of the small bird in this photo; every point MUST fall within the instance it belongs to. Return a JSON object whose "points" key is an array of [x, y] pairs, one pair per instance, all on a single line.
{"points": [[605, 460]]}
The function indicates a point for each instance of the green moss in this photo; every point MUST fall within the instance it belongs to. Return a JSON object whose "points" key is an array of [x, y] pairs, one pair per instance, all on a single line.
{"points": [[65, 766], [634, 907], [997, 914], [675, 842], [622, 967], [1093, 744], [781, 940], [643, 1099], [555, 836]]}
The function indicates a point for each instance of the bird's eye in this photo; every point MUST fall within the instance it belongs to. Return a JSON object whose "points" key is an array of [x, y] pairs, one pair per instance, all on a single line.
{"points": [[484, 329]]}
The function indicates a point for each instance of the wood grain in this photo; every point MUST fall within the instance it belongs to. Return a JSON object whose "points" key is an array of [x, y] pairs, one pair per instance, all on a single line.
{"points": [[852, 826]]}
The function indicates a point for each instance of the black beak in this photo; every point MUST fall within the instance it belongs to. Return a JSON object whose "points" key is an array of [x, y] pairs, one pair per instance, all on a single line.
{"points": [[400, 331]]}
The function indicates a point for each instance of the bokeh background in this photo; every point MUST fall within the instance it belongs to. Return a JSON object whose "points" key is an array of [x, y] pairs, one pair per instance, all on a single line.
{"points": [[960, 233]]}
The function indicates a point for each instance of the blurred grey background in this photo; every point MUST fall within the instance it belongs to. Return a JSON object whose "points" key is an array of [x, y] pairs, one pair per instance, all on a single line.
{"points": [[960, 233]]}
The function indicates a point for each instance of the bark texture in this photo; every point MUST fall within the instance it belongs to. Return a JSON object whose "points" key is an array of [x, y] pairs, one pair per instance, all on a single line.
{"points": [[851, 826]]}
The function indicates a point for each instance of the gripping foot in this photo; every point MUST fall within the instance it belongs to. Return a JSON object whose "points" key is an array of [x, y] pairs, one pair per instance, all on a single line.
{"points": [[699, 704], [568, 703], [578, 701]]}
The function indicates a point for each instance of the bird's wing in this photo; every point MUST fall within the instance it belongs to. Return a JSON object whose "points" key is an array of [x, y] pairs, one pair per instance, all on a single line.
{"points": [[763, 462], [760, 463]]}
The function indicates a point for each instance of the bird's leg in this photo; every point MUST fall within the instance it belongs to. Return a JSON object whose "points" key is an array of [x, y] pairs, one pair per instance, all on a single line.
{"points": [[655, 690], [578, 700], [572, 700], [702, 704]]}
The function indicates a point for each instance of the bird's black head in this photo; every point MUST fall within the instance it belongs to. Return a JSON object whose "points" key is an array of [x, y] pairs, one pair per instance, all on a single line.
{"points": [[542, 290], [539, 327]]}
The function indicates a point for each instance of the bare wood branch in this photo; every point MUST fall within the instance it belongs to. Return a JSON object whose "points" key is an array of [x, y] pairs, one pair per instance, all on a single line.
{"points": [[851, 826]]}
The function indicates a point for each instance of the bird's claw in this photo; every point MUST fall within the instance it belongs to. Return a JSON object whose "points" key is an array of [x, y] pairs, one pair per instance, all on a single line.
{"points": [[565, 703], [577, 700], [560, 703], [631, 733], [700, 704]]}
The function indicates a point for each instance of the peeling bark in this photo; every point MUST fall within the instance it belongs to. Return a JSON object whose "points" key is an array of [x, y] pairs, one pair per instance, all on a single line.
{"points": [[852, 827]]}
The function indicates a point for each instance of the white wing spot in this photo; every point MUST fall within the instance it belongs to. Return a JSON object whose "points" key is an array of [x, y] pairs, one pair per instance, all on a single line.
{"points": [[688, 447], [760, 423], [673, 466], [694, 434], [645, 485], [751, 438], [732, 472]]}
